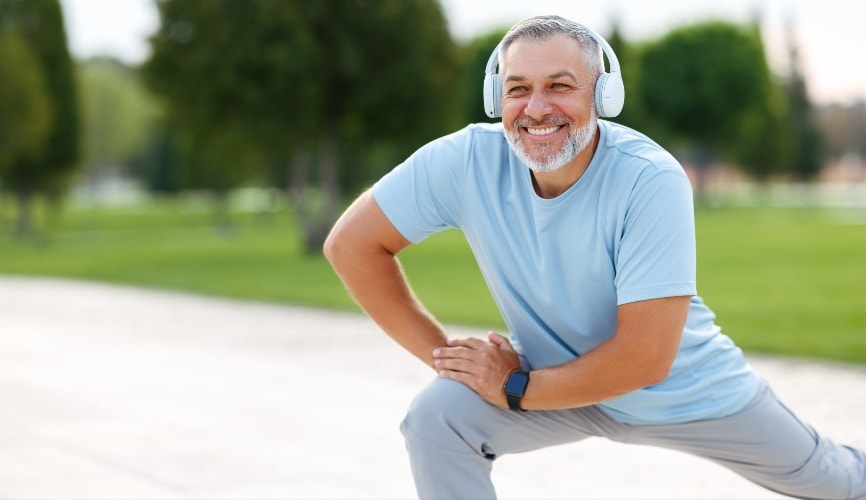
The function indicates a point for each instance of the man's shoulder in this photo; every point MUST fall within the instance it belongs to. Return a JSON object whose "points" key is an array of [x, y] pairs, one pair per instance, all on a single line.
{"points": [[484, 128], [483, 133], [472, 134], [471, 143], [631, 144]]}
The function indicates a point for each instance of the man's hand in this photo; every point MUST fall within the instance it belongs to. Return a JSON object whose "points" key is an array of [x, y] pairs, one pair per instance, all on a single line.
{"points": [[483, 366]]}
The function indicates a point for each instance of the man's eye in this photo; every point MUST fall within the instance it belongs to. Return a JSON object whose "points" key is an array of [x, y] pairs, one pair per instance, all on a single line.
{"points": [[516, 90]]}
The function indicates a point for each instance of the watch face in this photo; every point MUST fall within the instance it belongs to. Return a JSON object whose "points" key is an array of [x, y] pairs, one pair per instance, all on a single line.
{"points": [[516, 383]]}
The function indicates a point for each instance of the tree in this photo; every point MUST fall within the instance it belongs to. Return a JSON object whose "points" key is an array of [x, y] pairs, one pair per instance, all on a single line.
{"points": [[764, 138], [474, 56], [25, 113], [806, 158], [40, 23], [194, 68], [118, 115], [763, 145], [319, 88], [628, 55], [705, 83]]}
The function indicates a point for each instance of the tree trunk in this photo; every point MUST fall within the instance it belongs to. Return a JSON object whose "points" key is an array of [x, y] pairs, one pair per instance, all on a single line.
{"points": [[701, 160], [24, 225], [222, 219], [330, 175], [316, 214], [299, 190]]}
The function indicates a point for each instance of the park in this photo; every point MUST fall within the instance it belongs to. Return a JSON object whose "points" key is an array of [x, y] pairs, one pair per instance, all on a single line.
{"points": [[171, 329]]}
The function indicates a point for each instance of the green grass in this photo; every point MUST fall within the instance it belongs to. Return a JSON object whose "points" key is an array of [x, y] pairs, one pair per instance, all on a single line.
{"points": [[787, 280], [781, 280], [170, 245]]}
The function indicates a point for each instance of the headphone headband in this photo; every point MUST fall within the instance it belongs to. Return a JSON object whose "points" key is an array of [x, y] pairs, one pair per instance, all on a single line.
{"points": [[609, 89]]}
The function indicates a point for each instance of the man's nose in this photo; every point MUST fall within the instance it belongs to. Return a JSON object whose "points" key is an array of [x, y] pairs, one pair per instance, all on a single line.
{"points": [[538, 105]]}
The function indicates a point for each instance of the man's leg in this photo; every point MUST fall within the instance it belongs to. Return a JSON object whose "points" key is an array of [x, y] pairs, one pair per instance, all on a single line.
{"points": [[453, 435], [766, 443]]}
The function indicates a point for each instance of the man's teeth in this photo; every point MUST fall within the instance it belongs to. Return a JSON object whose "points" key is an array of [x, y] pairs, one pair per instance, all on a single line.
{"points": [[541, 131]]}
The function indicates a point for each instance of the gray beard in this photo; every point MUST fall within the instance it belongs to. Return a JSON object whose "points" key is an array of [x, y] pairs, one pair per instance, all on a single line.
{"points": [[577, 141]]}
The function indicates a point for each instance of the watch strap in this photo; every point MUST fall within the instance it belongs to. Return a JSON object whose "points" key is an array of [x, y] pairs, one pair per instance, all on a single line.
{"points": [[514, 394]]}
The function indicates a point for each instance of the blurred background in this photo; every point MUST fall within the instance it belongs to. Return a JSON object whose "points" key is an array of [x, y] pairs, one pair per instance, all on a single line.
{"points": [[209, 145]]}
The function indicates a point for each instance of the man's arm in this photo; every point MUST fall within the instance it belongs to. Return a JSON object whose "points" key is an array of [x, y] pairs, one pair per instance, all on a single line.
{"points": [[362, 249], [639, 354]]}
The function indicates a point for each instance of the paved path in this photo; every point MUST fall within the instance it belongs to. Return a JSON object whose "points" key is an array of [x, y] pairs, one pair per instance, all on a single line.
{"points": [[123, 393]]}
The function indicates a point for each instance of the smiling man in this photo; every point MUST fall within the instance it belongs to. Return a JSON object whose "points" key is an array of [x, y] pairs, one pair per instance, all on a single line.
{"points": [[584, 232], [547, 141]]}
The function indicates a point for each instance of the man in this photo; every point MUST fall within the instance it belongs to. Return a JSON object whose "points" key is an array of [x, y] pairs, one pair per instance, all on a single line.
{"points": [[583, 230]]}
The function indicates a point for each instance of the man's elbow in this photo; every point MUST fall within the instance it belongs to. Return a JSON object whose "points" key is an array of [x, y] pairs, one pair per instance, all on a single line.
{"points": [[332, 248], [659, 368], [656, 375]]}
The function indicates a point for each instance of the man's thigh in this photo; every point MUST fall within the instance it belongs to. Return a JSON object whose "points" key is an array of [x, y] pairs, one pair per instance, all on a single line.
{"points": [[445, 407]]}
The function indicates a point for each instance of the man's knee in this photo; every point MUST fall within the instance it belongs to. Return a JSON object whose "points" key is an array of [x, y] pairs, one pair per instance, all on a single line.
{"points": [[443, 411]]}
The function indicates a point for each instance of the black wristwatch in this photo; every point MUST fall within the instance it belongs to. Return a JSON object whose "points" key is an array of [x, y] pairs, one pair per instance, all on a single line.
{"points": [[515, 387]]}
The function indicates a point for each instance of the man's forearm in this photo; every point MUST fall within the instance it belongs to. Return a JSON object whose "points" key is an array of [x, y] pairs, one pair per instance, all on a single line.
{"points": [[382, 291]]}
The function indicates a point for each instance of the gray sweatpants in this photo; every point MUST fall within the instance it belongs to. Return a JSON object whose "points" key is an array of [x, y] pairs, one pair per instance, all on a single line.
{"points": [[453, 436]]}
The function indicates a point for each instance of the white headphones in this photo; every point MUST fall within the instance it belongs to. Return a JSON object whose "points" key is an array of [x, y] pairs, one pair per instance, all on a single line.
{"points": [[609, 89]]}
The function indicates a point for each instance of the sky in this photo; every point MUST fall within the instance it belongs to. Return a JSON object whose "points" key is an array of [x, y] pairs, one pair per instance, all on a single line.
{"points": [[830, 33]]}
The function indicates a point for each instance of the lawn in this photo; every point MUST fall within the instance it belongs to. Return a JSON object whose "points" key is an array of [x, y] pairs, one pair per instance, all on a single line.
{"points": [[781, 280], [787, 280]]}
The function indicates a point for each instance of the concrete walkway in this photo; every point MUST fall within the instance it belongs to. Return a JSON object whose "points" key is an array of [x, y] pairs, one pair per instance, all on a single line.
{"points": [[124, 393]]}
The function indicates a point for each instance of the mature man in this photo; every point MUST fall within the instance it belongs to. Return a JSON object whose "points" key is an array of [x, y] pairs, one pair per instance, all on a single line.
{"points": [[584, 232]]}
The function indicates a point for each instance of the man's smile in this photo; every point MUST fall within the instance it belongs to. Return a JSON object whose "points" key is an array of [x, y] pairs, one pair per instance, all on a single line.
{"points": [[539, 131]]}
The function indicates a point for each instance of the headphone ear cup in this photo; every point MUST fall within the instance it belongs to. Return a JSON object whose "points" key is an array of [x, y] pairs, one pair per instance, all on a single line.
{"points": [[609, 94], [492, 95]]}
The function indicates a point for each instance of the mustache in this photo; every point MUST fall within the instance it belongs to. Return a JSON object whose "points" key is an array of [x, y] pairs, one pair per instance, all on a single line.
{"points": [[548, 121]]}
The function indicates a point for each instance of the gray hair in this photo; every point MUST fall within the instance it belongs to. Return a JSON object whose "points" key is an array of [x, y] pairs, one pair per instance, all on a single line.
{"points": [[543, 27]]}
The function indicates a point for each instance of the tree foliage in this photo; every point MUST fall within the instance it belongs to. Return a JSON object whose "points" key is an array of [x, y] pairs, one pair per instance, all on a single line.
{"points": [[320, 89], [706, 91], [40, 25], [701, 80], [629, 56], [806, 158], [473, 62], [117, 113], [25, 113]]}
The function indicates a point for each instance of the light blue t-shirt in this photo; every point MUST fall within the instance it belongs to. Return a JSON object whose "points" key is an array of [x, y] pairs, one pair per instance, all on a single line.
{"points": [[558, 268]]}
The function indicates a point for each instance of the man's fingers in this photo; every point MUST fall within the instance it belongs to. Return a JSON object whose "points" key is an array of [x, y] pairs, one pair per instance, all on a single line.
{"points": [[469, 342], [454, 364], [478, 364], [455, 353], [500, 341], [460, 348]]}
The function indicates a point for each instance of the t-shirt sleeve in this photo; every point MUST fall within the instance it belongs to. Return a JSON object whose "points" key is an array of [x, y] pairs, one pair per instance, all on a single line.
{"points": [[657, 252], [422, 195]]}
